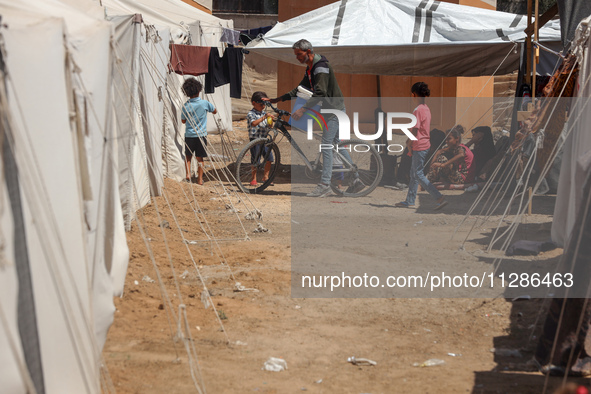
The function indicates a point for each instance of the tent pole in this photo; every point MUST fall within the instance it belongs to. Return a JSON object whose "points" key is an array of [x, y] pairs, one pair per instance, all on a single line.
{"points": [[544, 18], [378, 112], [528, 44], [536, 58], [379, 89]]}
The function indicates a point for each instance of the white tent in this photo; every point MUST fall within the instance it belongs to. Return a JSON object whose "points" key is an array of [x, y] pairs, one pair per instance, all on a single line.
{"points": [[405, 37], [89, 116], [576, 159], [67, 253]]}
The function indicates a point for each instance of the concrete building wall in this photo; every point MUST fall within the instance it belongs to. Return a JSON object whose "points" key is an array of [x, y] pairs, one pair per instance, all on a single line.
{"points": [[249, 21]]}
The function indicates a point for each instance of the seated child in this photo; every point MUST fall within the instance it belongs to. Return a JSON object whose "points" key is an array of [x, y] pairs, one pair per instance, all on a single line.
{"points": [[194, 116], [257, 128], [484, 150], [451, 163]]}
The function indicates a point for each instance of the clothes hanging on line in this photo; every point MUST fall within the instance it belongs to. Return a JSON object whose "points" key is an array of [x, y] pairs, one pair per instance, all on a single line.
{"points": [[257, 31], [223, 70], [189, 59], [230, 36], [247, 36]]}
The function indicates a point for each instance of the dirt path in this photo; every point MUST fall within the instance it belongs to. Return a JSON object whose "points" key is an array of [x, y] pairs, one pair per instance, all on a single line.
{"points": [[315, 336]]}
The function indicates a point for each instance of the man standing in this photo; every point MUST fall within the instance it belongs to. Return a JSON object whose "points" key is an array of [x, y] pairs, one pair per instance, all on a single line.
{"points": [[321, 80]]}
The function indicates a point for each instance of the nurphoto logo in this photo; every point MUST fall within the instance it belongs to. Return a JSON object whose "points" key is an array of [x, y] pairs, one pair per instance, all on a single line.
{"points": [[345, 127]]}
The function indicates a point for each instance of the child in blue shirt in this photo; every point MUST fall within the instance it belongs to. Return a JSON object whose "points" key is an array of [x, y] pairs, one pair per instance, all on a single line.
{"points": [[194, 116]]}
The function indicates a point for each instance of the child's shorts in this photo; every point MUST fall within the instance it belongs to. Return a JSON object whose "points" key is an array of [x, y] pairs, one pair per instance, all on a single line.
{"points": [[194, 147], [256, 155]]}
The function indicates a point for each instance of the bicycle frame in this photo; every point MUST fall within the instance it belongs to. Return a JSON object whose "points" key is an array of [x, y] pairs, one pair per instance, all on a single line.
{"points": [[360, 174], [279, 128]]}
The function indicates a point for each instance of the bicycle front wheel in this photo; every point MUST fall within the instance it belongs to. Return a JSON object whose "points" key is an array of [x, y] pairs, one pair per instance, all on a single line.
{"points": [[357, 170], [257, 165]]}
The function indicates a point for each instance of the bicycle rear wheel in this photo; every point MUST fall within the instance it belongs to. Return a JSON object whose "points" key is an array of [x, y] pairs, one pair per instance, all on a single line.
{"points": [[362, 175], [258, 158]]}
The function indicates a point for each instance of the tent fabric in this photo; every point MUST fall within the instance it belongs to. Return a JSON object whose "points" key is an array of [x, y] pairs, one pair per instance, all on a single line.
{"points": [[26, 314], [205, 3], [405, 37], [576, 160], [572, 12], [133, 178], [65, 152], [154, 60], [57, 248], [173, 147]]}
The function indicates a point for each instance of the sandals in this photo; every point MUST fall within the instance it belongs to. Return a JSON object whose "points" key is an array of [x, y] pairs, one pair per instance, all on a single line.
{"points": [[188, 180]]}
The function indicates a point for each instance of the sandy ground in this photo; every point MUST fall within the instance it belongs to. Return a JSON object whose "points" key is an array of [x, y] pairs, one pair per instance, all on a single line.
{"points": [[315, 336], [173, 258]]}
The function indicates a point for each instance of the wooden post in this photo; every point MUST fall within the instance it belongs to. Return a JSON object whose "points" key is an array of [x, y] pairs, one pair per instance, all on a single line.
{"points": [[530, 190], [528, 44], [536, 52]]}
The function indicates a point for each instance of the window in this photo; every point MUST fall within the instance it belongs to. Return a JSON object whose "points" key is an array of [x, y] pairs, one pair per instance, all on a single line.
{"points": [[246, 6]]}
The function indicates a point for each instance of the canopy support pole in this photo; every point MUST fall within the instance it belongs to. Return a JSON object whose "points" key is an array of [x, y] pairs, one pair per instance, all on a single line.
{"points": [[536, 52], [528, 43]]}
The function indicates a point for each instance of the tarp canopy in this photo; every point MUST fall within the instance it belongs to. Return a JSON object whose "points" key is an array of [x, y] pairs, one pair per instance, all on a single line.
{"points": [[406, 37]]}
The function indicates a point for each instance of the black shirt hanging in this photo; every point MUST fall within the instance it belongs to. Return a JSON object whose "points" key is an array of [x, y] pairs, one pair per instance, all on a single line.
{"points": [[223, 70]]}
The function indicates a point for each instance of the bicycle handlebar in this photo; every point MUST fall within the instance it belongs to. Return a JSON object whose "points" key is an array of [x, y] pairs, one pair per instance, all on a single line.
{"points": [[280, 112]]}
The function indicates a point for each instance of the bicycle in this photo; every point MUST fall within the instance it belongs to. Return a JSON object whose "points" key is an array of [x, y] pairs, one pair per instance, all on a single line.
{"points": [[362, 164]]}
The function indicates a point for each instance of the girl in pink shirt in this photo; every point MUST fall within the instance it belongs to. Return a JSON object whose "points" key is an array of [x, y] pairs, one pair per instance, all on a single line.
{"points": [[420, 148]]}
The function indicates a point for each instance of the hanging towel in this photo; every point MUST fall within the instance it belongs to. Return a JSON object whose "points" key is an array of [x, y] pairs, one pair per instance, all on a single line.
{"points": [[189, 59], [223, 70], [230, 36]]}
